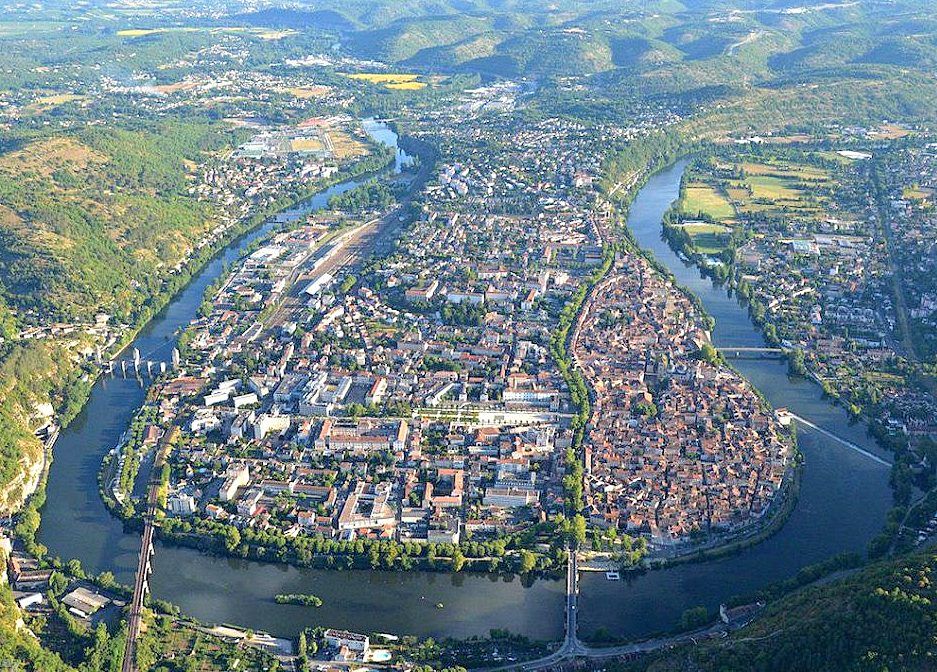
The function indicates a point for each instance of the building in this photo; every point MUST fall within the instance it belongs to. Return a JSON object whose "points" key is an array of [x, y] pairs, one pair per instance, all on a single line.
{"points": [[339, 639], [182, 504], [237, 476]]}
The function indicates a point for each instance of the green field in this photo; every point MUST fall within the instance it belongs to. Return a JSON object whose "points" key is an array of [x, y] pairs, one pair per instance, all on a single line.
{"points": [[702, 199], [708, 238]]}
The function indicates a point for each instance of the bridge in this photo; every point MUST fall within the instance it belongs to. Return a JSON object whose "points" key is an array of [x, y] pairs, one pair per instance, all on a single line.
{"points": [[745, 352], [141, 585], [838, 439], [140, 366], [572, 648]]}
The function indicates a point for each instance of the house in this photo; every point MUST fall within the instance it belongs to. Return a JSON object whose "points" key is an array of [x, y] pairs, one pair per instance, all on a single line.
{"points": [[338, 639]]}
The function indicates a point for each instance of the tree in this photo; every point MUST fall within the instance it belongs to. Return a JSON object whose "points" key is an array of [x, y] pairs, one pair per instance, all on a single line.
{"points": [[57, 583], [74, 568], [578, 530], [232, 538], [708, 353], [458, 560], [695, 617], [795, 363], [528, 560]]}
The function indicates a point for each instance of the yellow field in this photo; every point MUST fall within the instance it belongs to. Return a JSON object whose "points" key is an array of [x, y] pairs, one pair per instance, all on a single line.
{"points": [[46, 103], [889, 132], [308, 91], [384, 77], [405, 86], [309, 144], [345, 146], [916, 194], [400, 81]]}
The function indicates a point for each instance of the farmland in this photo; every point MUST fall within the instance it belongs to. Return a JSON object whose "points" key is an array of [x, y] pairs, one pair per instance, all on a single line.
{"points": [[399, 81], [703, 199]]}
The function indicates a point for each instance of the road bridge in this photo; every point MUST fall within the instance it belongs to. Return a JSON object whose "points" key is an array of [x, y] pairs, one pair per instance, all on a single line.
{"points": [[572, 648]]}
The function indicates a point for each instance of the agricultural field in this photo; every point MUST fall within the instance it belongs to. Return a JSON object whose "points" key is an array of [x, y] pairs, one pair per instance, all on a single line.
{"points": [[397, 81], [764, 186], [51, 101], [306, 92], [916, 193], [309, 143], [708, 238], [346, 146], [702, 199]]}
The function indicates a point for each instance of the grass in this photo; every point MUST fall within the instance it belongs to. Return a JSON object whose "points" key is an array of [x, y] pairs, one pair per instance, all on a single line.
{"points": [[785, 170], [708, 238], [773, 188], [781, 183], [702, 198], [43, 157], [916, 194]]}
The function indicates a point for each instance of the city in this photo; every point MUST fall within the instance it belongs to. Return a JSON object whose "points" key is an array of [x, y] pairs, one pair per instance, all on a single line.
{"points": [[361, 336]]}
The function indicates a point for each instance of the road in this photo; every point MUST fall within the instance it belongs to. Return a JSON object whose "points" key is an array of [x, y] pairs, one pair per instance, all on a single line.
{"points": [[897, 283], [571, 646]]}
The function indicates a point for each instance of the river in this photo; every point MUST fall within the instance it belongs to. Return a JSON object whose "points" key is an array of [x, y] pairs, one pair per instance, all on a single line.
{"points": [[843, 501]]}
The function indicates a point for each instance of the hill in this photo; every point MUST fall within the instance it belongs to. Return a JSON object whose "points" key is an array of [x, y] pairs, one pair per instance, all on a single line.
{"points": [[880, 618]]}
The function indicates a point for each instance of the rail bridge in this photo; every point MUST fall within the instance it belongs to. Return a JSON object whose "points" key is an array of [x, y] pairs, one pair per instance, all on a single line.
{"points": [[141, 584]]}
